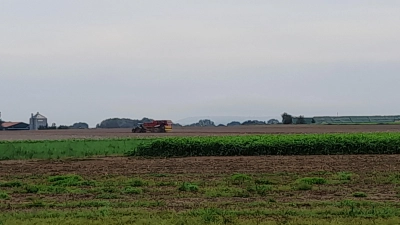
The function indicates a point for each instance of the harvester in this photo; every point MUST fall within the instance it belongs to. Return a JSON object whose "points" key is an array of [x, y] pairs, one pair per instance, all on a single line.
{"points": [[156, 126]]}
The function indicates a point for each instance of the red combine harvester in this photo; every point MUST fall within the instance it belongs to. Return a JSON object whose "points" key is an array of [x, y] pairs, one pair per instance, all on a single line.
{"points": [[156, 126]]}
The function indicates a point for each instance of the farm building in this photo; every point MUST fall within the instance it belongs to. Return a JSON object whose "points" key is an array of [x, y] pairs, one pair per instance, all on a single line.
{"points": [[307, 120], [355, 119], [37, 121], [14, 126]]}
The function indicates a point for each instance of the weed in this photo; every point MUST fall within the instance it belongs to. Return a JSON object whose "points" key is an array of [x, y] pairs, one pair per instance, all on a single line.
{"points": [[271, 200], [303, 187], [241, 193], [263, 181], [344, 176], [109, 190], [65, 180], [158, 175], [263, 189], [312, 180], [222, 192], [188, 187], [165, 183], [136, 182], [132, 191], [4, 196], [108, 196], [11, 184], [359, 195], [240, 178], [31, 189], [36, 203], [394, 179]]}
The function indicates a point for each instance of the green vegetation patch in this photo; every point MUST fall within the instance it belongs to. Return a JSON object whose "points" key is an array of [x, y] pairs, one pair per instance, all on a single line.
{"points": [[298, 144], [59, 149]]}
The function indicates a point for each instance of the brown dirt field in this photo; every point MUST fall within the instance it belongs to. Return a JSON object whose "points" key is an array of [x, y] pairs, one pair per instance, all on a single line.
{"points": [[204, 165], [201, 131], [208, 169]]}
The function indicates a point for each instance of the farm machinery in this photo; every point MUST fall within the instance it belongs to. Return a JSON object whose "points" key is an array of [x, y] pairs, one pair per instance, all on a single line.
{"points": [[156, 126]]}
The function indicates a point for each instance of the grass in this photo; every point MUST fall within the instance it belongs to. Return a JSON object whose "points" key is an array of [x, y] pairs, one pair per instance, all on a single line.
{"points": [[61, 149]]}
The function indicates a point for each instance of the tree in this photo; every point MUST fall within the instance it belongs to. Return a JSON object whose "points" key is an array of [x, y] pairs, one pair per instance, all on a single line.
{"points": [[122, 123], [273, 121], [80, 125], [233, 123], [287, 118], [203, 123], [176, 125], [253, 122]]}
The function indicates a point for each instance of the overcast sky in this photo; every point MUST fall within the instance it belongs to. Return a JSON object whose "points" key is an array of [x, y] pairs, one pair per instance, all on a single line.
{"points": [[88, 60]]}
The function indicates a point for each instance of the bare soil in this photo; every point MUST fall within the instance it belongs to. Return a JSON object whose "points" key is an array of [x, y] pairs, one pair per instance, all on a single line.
{"points": [[198, 131], [204, 165], [368, 169]]}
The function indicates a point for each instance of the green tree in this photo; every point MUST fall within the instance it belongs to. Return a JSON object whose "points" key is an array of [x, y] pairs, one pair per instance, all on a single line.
{"points": [[273, 121], [233, 123], [287, 118]]}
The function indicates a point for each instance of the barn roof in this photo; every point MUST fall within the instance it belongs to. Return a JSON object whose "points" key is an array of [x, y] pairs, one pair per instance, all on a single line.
{"points": [[9, 124]]}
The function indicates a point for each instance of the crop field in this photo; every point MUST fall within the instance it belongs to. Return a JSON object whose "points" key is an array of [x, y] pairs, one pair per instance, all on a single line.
{"points": [[324, 176]]}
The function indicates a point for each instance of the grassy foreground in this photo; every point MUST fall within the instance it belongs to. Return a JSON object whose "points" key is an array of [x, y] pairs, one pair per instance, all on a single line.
{"points": [[276, 198]]}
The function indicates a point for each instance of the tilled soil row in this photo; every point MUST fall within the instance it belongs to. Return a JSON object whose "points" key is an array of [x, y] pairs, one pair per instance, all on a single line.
{"points": [[204, 165]]}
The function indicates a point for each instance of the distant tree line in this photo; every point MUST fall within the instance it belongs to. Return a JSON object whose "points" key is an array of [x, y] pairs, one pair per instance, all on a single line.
{"points": [[129, 123], [122, 123], [209, 123], [79, 125]]}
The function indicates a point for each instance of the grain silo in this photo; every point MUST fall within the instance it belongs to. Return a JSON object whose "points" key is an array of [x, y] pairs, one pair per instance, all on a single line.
{"points": [[37, 121]]}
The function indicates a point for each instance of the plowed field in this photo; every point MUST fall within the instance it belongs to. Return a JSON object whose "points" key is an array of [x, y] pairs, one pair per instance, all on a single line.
{"points": [[204, 165], [188, 131]]}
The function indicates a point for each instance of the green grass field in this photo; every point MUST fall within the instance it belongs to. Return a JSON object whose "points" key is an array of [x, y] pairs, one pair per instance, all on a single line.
{"points": [[58, 149]]}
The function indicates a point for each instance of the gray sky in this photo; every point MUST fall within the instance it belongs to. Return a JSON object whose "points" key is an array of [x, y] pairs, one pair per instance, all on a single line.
{"points": [[88, 60]]}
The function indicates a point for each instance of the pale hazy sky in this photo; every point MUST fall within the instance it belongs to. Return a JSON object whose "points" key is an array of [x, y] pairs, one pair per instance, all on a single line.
{"points": [[88, 60]]}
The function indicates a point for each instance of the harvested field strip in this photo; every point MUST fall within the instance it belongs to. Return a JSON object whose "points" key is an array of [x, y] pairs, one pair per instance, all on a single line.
{"points": [[51, 149], [300, 144]]}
